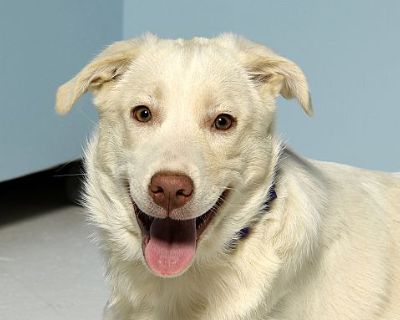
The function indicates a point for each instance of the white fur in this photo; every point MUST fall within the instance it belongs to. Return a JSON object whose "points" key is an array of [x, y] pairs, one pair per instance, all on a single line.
{"points": [[327, 249]]}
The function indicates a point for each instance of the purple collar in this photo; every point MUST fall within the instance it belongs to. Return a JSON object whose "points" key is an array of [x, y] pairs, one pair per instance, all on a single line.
{"points": [[244, 232]]}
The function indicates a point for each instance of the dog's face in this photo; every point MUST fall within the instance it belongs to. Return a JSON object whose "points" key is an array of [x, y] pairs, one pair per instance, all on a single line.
{"points": [[185, 131]]}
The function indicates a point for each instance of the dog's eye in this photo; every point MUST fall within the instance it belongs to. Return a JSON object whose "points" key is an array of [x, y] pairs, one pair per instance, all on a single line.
{"points": [[141, 113], [223, 121]]}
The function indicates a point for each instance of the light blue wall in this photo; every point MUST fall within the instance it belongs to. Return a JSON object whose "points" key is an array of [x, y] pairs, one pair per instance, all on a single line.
{"points": [[349, 50], [42, 44]]}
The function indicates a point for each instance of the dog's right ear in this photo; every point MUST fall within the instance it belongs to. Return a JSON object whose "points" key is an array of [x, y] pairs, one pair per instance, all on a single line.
{"points": [[106, 67]]}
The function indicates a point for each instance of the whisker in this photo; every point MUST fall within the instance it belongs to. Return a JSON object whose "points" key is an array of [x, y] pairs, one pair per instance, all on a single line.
{"points": [[70, 175], [85, 115]]}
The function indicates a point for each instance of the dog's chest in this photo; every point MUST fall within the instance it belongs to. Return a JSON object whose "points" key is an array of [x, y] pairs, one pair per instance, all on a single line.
{"points": [[217, 294]]}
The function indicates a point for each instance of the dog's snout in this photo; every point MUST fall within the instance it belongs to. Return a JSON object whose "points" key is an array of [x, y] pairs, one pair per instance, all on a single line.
{"points": [[171, 190]]}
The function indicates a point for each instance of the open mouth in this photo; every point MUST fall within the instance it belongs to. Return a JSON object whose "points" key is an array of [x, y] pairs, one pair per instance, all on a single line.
{"points": [[169, 245]]}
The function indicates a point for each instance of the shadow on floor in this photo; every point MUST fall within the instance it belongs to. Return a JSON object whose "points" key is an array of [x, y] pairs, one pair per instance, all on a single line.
{"points": [[40, 192]]}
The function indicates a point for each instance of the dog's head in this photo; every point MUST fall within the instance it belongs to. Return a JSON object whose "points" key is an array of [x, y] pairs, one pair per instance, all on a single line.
{"points": [[184, 143]]}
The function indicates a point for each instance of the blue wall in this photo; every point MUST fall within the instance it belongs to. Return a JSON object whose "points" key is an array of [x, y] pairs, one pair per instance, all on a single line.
{"points": [[349, 51], [42, 44]]}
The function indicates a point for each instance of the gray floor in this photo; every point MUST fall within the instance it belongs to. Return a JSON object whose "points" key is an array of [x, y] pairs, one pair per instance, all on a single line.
{"points": [[49, 269]]}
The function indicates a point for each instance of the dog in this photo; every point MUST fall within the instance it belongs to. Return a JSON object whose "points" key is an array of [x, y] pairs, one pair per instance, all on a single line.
{"points": [[203, 213]]}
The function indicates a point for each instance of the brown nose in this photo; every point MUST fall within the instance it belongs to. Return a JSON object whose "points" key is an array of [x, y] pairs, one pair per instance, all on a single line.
{"points": [[170, 190]]}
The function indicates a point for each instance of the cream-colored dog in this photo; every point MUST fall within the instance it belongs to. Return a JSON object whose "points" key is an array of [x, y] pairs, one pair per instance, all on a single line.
{"points": [[204, 214]]}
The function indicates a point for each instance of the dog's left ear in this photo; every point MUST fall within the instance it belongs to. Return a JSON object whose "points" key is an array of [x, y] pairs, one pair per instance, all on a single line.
{"points": [[272, 73], [277, 75]]}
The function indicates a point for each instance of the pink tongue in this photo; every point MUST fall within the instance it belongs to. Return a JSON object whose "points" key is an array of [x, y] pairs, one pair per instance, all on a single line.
{"points": [[172, 245]]}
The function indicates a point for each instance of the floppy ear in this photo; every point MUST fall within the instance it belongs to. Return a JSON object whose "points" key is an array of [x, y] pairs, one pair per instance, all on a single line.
{"points": [[106, 67], [273, 74], [277, 75]]}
